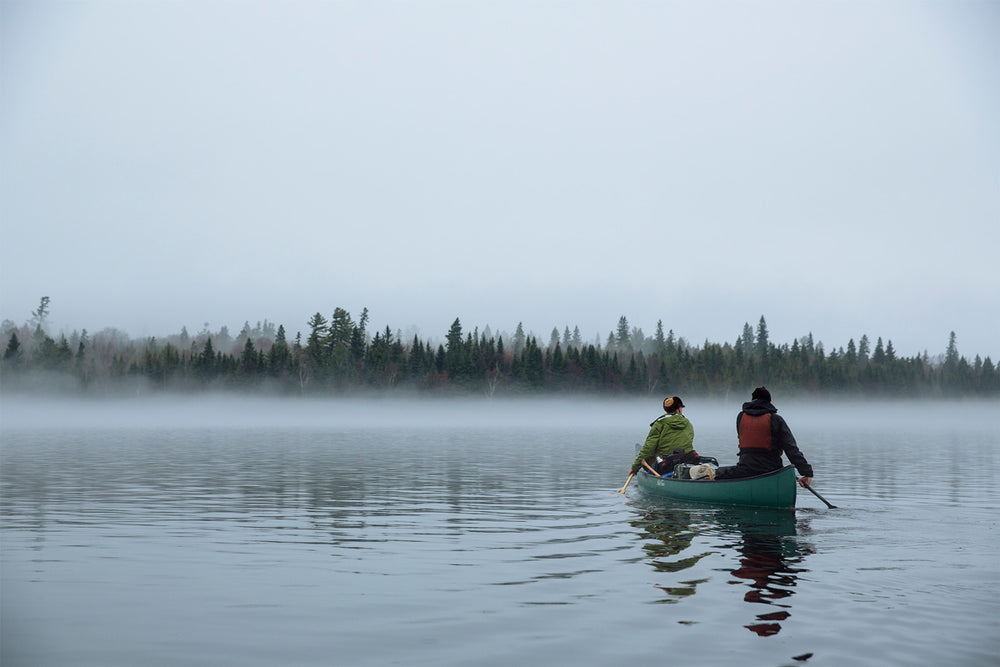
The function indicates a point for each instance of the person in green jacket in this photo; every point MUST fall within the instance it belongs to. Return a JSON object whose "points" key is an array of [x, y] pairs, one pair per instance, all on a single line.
{"points": [[669, 434]]}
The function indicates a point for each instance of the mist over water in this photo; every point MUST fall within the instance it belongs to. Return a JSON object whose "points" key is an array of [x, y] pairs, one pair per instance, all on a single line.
{"points": [[712, 418], [253, 531]]}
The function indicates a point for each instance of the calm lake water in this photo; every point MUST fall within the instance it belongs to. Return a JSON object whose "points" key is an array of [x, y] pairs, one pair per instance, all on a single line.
{"points": [[281, 532]]}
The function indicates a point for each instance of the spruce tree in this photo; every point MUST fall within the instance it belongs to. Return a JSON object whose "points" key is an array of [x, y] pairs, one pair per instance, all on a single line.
{"points": [[762, 344], [12, 356], [623, 341]]}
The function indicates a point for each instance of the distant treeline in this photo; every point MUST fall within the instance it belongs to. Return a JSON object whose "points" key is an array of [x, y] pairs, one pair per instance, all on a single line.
{"points": [[340, 355]]}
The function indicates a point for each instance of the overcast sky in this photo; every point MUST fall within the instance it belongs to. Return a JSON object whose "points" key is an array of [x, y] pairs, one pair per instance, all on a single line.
{"points": [[832, 166]]}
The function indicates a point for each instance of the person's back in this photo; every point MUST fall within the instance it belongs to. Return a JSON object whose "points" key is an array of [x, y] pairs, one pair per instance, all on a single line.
{"points": [[669, 434], [763, 437]]}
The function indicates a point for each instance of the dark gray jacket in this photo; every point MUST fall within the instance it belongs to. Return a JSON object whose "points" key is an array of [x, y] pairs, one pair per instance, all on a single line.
{"points": [[759, 461]]}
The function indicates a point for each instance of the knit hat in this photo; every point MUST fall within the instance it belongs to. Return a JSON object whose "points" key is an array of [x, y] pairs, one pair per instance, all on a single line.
{"points": [[761, 393], [671, 403]]}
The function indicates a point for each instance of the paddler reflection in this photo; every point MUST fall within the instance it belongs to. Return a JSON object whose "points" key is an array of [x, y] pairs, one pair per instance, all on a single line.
{"points": [[669, 536], [770, 557], [764, 542]]}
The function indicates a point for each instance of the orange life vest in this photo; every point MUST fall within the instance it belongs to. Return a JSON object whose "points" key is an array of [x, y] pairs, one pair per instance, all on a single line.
{"points": [[755, 431]]}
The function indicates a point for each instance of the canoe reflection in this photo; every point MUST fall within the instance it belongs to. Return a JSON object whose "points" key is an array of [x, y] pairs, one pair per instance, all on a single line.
{"points": [[765, 544]]}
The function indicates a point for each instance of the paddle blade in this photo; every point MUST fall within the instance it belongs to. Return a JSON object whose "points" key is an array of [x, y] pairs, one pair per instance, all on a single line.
{"points": [[828, 503], [631, 475]]}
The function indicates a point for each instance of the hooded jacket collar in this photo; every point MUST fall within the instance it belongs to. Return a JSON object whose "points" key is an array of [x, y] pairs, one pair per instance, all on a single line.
{"points": [[758, 407]]}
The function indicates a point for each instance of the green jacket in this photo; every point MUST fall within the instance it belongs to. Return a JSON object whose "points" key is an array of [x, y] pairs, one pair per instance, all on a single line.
{"points": [[666, 434]]}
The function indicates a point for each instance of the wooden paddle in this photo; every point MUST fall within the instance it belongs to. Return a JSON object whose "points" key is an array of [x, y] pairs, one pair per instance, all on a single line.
{"points": [[809, 486], [630, 476], [650, 469]]}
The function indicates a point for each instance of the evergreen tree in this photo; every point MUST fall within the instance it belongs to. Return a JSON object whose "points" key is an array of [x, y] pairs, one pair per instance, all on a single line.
{"points": [[315, 344], [13, 355], [338, 340], [439, 359], [40, 316], [878, 357], [207, 361], [416, 361], [623, 340], [951, 355], [454, 352], [659, 342], [951, 370], [533, 363], [557, 367], [518, 339], [363, 324], [279, 356], [763, 342], [747, 339], [553, 339], [358, 344], [248, 362]]}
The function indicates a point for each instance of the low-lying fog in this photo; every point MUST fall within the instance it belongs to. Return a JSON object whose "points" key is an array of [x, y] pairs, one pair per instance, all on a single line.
{"points": [[631, 415]]}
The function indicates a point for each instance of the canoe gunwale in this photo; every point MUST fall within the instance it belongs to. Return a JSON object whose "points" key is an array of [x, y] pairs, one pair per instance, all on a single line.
{"points": [[722, 481]]}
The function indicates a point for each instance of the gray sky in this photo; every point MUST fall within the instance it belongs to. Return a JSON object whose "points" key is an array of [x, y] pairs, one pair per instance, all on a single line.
{"points": [[833, 166]]}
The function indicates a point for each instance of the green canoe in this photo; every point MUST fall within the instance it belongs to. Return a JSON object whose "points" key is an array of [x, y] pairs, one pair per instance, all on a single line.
{"points": [[775, 489]]}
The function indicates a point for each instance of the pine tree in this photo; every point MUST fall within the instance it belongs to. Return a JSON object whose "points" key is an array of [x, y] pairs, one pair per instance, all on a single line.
{"points": [[659, 341], [40, 316], [762, 344], [439, 359], [878, 356], [248, 361], [454, 351], [278, 356], [338, 341], [622, 340], [518, 339], [13, 355], [207, 361], [553, 339], [747, 339], [315, 347], [951, 355]]}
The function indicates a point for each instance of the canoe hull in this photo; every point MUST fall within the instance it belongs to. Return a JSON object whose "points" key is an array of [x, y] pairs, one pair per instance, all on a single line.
{"points": [[775, 489]]}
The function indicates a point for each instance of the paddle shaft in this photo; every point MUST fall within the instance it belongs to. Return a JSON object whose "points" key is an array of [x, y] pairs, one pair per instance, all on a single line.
{"points": [[630, 476], [650, 469], [833, 507]]}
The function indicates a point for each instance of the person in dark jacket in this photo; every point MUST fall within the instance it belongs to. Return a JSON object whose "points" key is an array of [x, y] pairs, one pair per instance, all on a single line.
{"points": [[764, 437]]}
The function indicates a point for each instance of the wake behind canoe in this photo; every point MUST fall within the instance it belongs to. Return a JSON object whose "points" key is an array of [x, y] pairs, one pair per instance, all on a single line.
{"points": [[774, 489]]}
